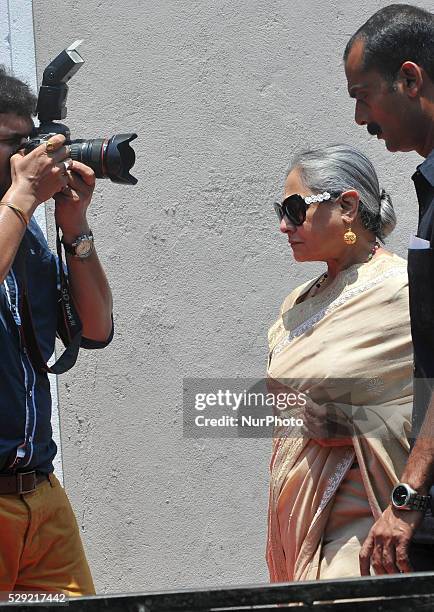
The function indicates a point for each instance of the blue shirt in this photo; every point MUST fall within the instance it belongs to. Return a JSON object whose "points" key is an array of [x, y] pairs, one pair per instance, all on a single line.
{"points": [[25, 401]]}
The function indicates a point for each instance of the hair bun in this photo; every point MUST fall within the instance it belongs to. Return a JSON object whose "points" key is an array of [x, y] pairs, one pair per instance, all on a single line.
{"points": [[386, 214], [384, 195]]}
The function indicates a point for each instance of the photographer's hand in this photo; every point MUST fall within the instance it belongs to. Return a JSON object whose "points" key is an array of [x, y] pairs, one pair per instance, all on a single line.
{"points": [[37, 176], [73, 201], [88, 283], [33, 179]]}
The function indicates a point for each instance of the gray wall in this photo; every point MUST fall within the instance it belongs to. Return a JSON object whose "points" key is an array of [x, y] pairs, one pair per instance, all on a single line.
{"points": [[221, 94]]}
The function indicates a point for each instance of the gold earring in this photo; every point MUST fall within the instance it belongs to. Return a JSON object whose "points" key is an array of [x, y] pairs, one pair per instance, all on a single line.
{"points": [[350, 237]]}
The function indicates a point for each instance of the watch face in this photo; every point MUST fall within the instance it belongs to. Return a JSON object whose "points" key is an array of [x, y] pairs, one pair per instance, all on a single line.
{"points": [[400, 495], [83, 247]]}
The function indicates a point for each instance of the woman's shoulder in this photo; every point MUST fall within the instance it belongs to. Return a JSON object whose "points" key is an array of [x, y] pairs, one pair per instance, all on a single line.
{"points": [[386, 267], [391, 259], [383, 280]]}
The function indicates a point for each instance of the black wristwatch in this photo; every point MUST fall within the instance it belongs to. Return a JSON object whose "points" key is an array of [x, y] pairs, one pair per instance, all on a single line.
{"points": [[82, 246], [405, 498]]}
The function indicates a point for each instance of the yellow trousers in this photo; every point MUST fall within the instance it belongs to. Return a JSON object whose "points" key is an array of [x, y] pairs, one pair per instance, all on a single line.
{"points": [[40, 545]]}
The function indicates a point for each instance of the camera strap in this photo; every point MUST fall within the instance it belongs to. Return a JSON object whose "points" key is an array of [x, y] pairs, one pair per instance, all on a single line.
{"points": [[68, 322]]}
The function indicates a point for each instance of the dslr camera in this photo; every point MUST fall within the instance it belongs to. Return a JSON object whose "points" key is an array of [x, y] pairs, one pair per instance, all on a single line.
{"points": [[111, 157]]}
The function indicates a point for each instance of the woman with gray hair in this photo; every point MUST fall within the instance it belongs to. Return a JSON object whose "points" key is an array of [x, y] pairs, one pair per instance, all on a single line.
{"points": [[342, 342]]}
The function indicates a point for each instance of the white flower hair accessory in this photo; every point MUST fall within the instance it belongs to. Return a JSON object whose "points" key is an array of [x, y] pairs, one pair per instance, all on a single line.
{"points": [[320, 197]]}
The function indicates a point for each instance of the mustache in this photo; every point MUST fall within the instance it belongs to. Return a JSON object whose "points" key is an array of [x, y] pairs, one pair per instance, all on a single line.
{"points": [[374, 129]]}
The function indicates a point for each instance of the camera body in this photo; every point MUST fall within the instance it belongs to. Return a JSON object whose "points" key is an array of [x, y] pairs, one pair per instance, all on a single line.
{"points": [[111, 157]]}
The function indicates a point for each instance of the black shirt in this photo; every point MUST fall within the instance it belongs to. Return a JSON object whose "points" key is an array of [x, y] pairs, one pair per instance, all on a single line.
{"points": [[421, 287], [423, 180]]}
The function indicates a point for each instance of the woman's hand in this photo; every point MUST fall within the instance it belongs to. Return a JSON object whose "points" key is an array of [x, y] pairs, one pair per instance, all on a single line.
{"points": [[327, 425]]}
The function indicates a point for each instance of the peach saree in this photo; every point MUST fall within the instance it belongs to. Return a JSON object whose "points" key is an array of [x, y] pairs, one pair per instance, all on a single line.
{"points": [[324, 498]]}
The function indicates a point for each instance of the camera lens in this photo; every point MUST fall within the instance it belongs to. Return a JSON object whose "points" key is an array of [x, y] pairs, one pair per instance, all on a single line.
{"points": [[110, 158]]}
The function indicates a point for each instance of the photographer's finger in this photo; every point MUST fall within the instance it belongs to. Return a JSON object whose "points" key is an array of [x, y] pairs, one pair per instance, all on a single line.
{"points": [[18, 155], [60, 154], [53, 144], [58, 177], [64, 184], [64, 166], [86, 173], [76, 182], [67, 191]]}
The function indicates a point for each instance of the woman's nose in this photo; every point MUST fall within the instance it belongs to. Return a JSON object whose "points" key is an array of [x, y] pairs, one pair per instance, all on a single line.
{"points": [[286, 226]]}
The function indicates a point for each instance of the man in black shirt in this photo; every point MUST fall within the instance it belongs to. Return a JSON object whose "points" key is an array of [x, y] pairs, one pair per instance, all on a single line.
{"points": [[389, 64], [40, 546]]}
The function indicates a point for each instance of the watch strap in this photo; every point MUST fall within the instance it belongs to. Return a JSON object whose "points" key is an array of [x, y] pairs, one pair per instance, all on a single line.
{"points": [[68, 248], [419, 502]]}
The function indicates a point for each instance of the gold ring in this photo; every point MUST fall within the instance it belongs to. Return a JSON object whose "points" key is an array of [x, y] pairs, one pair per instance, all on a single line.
{"points": [[50, 146]]}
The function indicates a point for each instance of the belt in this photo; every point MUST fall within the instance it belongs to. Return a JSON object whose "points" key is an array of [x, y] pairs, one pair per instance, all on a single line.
{"points": [[21, 482]]}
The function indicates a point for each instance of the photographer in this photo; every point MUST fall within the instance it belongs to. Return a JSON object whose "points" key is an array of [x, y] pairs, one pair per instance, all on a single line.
{"points": [[40, 547]]}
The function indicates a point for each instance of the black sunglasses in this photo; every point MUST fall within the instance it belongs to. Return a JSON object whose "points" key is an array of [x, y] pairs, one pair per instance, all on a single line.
{"points": [[294, 207]]}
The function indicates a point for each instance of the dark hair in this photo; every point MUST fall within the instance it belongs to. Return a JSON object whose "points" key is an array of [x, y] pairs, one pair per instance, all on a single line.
{"points": [[15, 96], [393, 35]]}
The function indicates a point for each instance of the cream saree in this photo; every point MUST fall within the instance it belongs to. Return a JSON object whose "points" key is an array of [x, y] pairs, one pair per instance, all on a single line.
{"points": [[324, 498]]}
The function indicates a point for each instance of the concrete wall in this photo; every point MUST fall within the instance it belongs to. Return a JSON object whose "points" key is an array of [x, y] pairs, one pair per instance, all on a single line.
{"points": [[221, 94]]}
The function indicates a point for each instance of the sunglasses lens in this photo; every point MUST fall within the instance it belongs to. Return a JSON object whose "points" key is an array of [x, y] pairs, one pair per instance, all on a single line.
{"points": [[294, 207]]}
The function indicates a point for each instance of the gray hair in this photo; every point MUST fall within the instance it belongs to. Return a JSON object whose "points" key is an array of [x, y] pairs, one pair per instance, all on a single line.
{"points": [[341, 167]]}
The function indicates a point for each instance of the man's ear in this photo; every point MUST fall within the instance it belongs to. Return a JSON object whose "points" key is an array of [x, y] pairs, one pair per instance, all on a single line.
{"points": [[411, 77], [349, 201]]}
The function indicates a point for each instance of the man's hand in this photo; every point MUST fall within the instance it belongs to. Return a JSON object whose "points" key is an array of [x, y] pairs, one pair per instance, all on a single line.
{"points": [[37, 176], [34, 178], [386, 547], [72, 202]]}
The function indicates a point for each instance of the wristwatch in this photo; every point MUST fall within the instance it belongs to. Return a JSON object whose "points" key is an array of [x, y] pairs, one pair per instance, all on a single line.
{"points": [[405, 498], [82, 246]]}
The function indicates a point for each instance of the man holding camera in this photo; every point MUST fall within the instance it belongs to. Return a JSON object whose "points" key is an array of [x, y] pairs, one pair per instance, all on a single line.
{"points": [[40, 546], [389, 64]]}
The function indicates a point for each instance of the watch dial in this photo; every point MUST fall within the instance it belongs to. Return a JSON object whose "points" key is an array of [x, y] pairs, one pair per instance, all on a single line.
{"points": [[83, 247], [400, 495]]}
